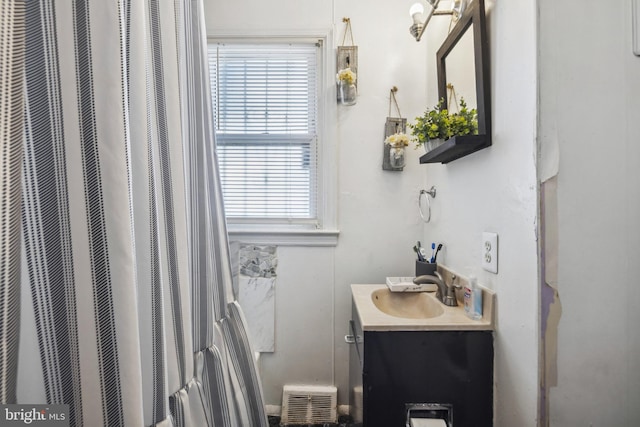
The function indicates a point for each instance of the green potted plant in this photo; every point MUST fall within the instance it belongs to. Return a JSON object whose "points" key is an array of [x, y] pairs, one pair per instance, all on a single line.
{"points": [[437, 125]]}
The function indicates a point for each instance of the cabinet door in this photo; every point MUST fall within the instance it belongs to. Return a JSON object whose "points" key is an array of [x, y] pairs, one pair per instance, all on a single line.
{"points": [[451, 367]]}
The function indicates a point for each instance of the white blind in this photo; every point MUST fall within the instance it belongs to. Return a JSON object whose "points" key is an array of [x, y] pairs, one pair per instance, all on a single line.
{"points": [[265, 100]]}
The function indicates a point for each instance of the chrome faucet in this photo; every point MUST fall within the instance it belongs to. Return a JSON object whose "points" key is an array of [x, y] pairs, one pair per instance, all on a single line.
{"points": [[445, 294]]}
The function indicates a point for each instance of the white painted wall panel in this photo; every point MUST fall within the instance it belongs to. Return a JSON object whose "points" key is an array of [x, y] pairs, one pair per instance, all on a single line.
{"points": [[590, 96]]}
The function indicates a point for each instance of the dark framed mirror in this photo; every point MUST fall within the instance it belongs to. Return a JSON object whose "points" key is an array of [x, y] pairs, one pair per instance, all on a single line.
{"points": [[463, 64]]}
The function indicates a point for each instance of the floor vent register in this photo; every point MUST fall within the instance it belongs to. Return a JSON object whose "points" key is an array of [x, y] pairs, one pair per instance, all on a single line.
{"points": [[309, 404]]}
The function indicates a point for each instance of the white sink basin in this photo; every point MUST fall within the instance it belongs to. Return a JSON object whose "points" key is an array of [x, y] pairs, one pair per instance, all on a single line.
{"points": [[378, 309], [408, 305]]}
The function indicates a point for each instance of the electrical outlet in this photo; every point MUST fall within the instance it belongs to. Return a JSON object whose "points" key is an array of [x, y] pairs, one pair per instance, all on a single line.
{"points": [[490, 252]]}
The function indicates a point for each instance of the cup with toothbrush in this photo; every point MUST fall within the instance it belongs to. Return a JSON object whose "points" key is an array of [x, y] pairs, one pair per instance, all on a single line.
{"points": [[426, 265]]}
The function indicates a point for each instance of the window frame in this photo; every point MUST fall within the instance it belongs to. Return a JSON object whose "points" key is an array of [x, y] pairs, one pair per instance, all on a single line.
{"points": [[324, 231]]}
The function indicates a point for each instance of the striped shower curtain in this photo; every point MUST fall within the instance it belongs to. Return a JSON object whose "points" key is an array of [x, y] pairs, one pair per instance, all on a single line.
{"points": [[116, 288]]}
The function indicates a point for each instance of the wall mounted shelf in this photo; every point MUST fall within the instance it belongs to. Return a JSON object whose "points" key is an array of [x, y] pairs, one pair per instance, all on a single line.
{"points": [[456, 147], [473, 21]]}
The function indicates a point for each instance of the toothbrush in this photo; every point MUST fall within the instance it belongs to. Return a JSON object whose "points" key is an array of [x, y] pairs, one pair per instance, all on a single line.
{"points": [[437, 250], [417, 251], [421, 254], [433, 257]]}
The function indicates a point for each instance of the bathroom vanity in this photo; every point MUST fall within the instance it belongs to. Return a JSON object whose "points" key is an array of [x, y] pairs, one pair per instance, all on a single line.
{"points": [[435, 357]]}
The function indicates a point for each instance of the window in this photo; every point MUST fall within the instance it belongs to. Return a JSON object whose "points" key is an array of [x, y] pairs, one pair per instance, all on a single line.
{"points": [[266, 108]]}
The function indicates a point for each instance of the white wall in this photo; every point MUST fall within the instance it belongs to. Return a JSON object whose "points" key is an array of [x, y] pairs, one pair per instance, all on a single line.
{"points": [[590, 106], [377, 215], [495, 190]]}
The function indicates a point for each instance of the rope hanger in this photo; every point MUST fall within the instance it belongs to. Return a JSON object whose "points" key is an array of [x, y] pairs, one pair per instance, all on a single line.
{"points": [[347, 28], [452, 95], [392, 99]]}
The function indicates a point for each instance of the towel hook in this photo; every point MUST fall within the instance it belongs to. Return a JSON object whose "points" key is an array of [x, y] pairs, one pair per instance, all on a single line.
{"points": [[431, 192]]}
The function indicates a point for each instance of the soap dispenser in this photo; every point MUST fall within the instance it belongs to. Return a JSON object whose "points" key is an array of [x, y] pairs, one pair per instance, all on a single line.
{"points": [[473, 299]]}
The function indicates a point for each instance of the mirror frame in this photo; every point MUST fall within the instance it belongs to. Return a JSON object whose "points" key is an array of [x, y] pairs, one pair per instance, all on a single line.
{"points": [[474, 14]]}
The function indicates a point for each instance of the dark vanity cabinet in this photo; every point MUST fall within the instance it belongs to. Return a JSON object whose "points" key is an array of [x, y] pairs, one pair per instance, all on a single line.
{"points": [[389, 369]]}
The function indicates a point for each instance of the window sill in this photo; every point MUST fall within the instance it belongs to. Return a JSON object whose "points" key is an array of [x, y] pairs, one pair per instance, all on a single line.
{"points": [[284, 237]]}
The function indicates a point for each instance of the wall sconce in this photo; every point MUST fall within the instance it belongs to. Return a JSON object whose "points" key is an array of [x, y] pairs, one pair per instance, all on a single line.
{"points": [[420, 21]]}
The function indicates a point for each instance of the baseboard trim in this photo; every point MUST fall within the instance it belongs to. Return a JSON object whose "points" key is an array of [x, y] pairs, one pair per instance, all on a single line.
{"points": [[274, 410]]}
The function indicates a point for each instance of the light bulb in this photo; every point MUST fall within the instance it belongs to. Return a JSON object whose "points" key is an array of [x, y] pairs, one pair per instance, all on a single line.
{"points": [[416, 12], [457, 8]]}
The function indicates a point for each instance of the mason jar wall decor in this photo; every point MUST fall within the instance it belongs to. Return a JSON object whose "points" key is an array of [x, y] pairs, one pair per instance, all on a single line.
{"points": [[347, 91], [396, 156], [347, 76], [395, 138]]}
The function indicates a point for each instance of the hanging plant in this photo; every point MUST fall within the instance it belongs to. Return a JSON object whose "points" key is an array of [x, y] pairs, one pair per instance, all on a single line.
{"points": [[438, 123], [347, 62]]}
